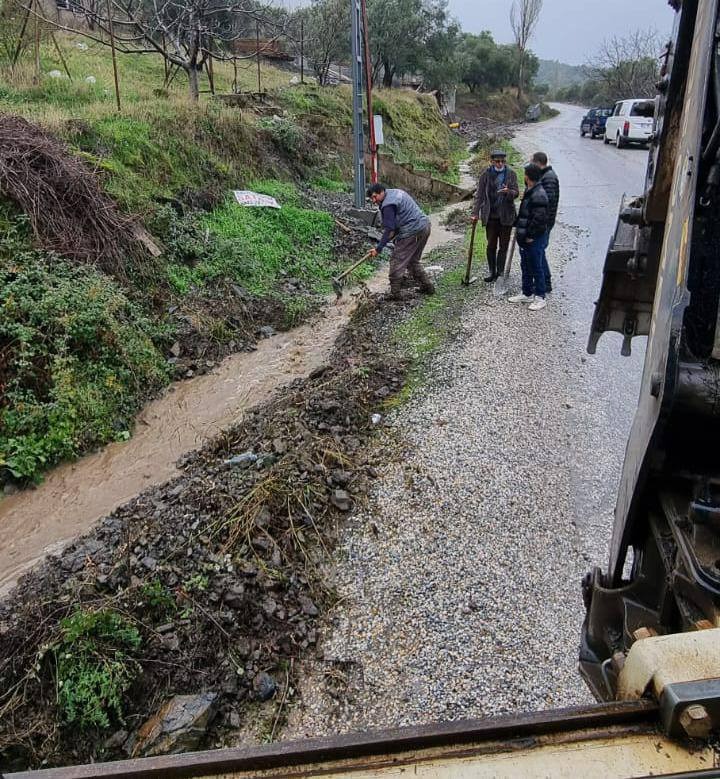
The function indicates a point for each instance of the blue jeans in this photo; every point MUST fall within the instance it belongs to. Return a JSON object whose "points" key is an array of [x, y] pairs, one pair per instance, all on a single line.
{"points": [[531, 266], [546, 267]]}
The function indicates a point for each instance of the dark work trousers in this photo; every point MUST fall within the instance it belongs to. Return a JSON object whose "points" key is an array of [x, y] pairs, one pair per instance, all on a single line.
{"points": [[497, 233], [531, 266], [546, 267], [406, 256]]}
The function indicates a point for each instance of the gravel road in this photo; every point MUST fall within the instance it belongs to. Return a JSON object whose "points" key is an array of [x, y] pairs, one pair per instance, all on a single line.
{"points": [[460, 584]]}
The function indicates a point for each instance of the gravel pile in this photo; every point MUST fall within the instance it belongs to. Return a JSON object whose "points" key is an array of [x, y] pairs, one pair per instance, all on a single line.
{"points": [[460, 585]]}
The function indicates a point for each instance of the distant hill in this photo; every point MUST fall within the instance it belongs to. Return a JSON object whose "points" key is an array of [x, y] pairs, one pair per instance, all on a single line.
{"points": [[559, 74]]}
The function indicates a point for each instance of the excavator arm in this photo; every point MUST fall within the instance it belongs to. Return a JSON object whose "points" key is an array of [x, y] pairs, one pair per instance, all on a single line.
{"points": [[662, 280]]}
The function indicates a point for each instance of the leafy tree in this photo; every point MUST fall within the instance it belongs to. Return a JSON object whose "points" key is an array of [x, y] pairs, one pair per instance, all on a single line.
{"points": [[407, 36], [485, 65]]}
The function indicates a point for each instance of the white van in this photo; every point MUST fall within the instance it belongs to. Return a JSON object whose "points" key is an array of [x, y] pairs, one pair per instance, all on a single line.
{"points": [[631, 122]]}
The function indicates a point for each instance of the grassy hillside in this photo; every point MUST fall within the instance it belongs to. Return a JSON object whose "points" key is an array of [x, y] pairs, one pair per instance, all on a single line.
{"points": [[80, 351]]}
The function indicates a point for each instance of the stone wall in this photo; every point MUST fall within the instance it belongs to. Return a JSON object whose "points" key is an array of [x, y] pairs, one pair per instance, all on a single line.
{"points": [[417, 182]]}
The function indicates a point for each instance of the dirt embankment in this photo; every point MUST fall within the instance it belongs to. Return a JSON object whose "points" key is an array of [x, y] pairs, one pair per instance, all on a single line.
{"points": [[210, 583]]}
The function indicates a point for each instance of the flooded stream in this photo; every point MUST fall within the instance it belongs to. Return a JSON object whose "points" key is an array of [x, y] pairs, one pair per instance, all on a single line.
{"points": [[74, 496]]}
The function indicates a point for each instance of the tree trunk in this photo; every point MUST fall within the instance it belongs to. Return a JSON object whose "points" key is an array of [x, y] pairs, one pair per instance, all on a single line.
{"points": [[521, 74], [193, 83], [388, 74]]}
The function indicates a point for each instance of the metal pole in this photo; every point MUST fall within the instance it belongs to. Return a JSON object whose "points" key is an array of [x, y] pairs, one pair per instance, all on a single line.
{"points": [[114, 57], [257, 52], [359, 141], [302, 51], [368, 93]]}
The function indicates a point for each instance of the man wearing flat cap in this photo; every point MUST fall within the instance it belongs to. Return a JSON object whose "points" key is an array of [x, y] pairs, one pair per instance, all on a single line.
{"points": [[494, 205]]}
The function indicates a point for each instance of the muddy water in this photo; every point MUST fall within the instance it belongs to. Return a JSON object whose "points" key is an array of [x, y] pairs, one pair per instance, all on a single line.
{"points": [[74, 496]]}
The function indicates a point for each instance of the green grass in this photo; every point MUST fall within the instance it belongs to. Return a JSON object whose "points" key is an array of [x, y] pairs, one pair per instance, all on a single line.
{"points": [[430, 324], [255, 247]]}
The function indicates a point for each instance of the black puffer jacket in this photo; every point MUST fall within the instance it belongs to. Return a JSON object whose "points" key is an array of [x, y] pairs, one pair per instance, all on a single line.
{"points": [[532, 218], [551, 185]]}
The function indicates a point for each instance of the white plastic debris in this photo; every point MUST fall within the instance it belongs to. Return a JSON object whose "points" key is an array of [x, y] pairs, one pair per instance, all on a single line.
{"points": [[434, 268], [376, 419], [90, 80], [254, 199], [55, 74], [82, 46]]}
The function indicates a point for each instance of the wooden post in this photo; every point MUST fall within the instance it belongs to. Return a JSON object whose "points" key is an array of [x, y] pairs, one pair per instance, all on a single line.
{"points": [[165, 62], [302, 51], [21, 38], [211, 77], [235, 81], [257, 52], [60, 54], [114, 56], [36, 77]]}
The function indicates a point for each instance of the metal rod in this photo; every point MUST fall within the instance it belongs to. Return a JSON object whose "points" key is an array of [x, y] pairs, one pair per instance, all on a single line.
{"points": [[60, 54], [114, 55], [359, 142], [257, 52]]}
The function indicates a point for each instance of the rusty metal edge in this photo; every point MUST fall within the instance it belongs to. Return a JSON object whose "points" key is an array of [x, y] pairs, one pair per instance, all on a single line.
{"points": [[388, 742]]}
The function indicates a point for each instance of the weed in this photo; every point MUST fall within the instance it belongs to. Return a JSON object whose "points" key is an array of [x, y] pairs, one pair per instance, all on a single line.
{"points": [[77, 358], [158, 599], [197, 583], [94, 666]]}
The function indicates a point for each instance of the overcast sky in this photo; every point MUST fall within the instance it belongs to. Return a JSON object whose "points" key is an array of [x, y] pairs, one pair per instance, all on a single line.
{"points": [[569, 30]]}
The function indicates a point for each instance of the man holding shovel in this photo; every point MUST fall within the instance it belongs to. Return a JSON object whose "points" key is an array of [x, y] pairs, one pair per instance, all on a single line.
{"points": [[404, 222], [494, 205]]}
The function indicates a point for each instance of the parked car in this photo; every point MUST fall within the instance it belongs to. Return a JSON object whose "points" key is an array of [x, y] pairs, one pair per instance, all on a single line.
{"points": [[594, 122], [631, 122]]}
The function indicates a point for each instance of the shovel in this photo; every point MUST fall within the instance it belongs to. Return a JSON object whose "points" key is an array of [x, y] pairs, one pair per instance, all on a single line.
{"points": [[467, 281], [501, 284], [337, 281]]}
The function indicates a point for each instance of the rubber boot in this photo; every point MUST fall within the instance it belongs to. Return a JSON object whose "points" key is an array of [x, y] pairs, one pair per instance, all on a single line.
{"points": [[395, 291], [425, 286]]}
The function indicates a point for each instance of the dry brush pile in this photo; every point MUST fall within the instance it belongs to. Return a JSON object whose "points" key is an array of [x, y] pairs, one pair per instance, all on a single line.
{"points": [[67, 208]]}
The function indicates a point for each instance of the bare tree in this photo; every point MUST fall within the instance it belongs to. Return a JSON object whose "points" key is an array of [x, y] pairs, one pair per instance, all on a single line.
{"points": [[627, 66], [524, 16], [327, 39], [185, 32]]}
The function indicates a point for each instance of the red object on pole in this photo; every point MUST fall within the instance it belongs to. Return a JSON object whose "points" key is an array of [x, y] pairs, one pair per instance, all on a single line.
{"points": [[368, 89]]}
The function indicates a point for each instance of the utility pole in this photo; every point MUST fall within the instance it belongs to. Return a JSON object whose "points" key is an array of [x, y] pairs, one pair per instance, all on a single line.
{"points": [[302, 51], [368, 91], [357, 88]]}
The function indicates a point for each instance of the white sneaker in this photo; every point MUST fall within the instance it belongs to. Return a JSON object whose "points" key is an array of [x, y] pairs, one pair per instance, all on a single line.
{"points": [[521, 299], [537, 304]]}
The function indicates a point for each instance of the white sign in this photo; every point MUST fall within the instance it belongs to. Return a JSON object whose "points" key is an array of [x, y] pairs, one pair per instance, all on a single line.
{"points": [[377, 122], [246, 198]]}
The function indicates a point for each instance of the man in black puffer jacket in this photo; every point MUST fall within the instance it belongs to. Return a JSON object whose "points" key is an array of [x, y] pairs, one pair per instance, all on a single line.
{"points": [[530, 229], [551, 185]]}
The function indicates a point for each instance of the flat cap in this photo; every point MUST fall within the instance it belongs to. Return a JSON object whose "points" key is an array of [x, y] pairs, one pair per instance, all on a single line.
{"points": [[497, 153]]}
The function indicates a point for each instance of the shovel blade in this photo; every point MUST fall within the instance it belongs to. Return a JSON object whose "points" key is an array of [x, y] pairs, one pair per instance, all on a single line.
{"points": [[500, 287]]}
